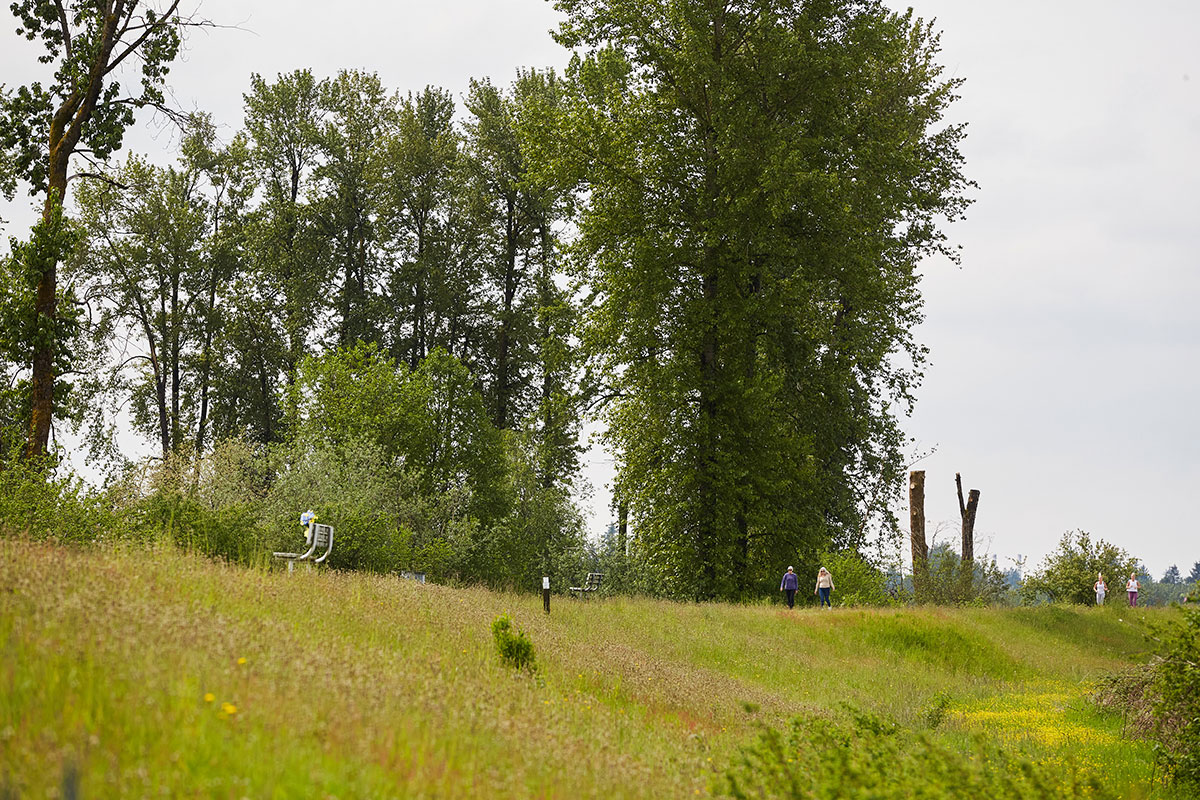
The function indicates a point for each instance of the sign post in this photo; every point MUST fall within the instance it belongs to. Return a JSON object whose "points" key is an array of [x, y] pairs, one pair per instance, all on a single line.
{"points": [[546, 593]]}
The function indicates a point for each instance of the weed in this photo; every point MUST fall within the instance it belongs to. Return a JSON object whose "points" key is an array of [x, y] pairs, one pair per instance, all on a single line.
{"points": [[869, 757], [514, 648]]}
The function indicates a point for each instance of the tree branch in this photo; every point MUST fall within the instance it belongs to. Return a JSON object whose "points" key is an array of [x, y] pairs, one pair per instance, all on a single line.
{"points": [[100, 177], [162, 22]]}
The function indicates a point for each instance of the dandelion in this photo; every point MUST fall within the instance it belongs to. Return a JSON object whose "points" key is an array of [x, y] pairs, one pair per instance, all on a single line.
{"points": [[242, 660], [209, 697], [229, 708]]}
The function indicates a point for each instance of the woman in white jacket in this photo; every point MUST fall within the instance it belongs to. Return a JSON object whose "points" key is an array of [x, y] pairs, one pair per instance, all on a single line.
{"points": [[824, 587]]}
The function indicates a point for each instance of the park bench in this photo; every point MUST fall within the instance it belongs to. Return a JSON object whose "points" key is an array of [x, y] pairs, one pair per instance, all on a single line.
{"points": [[320, 537], [592, 584]]}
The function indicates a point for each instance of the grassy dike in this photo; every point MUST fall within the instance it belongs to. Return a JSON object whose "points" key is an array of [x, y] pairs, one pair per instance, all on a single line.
{"points": [[153, 673]]}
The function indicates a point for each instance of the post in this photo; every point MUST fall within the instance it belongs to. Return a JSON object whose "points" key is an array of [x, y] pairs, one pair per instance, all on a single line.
{"points": [[916, 519], [546, 593]]}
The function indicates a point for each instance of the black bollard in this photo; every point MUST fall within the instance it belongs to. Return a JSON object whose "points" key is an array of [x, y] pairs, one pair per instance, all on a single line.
{"points": [[546, 593]]}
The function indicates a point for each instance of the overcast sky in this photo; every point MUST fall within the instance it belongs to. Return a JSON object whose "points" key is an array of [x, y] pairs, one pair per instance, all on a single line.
{"points": [[1063, 377]]}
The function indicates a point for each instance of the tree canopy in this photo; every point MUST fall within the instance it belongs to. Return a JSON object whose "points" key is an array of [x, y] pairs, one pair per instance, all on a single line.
{"points": [[759, 181]]}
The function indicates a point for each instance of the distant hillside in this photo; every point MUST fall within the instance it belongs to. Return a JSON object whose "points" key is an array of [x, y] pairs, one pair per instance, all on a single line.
{"points": [[138, 673]]}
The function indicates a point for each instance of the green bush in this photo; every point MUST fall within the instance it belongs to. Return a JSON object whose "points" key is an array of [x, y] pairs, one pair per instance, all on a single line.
{"points": [[1068, 574], [866, 757], [515, 649], [39, 505], [946, 582], [858, 583], [230, 532], [1176, 704]]}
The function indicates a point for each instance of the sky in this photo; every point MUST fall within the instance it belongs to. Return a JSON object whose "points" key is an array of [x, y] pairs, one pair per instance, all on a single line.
{"points": [[1062, 378]]}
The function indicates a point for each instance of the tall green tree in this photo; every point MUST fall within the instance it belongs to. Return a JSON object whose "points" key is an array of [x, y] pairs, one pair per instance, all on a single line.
{"points": [[432, 289], [83, 109], [286, 272], [530, 368], [760, 180], [359, 117], [155, 267]]}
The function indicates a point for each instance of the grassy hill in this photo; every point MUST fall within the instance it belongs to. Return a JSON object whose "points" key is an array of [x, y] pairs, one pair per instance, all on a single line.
{"points": [[139, 673]]}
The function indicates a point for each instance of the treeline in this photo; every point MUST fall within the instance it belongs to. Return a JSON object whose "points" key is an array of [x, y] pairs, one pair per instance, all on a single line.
{"points": [[704, 234]]}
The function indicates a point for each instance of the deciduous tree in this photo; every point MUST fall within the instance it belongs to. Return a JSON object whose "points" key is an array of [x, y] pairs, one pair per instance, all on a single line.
{"points": [[760, 180], [83, 109]]}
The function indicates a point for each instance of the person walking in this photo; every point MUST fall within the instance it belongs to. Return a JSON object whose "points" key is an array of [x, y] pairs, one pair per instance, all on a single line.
{"points": [[1101, 588], [1131, 586], [824, 587], [791, 582]]}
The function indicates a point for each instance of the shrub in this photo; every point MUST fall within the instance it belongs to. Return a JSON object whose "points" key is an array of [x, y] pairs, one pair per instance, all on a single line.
{"points": [[870, 758], [39, 505], [947, 583], [1068, 574], [1176, 703], [515, 649], [858, 583]]}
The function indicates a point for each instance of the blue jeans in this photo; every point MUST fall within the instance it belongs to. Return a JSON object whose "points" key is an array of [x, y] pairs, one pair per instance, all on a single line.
{"points": [[824, 590]]}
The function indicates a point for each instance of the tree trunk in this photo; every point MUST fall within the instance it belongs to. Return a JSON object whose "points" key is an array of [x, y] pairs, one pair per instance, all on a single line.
{"points": [[503, 390], [967, 512], [916, 519]]}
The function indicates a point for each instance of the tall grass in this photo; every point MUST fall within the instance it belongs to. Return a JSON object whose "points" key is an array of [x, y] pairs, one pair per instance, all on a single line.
{"points": [[150, 671]]}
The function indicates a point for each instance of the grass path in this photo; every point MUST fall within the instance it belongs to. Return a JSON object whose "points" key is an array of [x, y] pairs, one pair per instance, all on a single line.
{"points": [[152, 673]]}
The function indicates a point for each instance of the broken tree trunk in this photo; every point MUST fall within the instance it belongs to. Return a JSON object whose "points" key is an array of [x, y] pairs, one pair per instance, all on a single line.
{"points": [[967, 510], [916, 519]]}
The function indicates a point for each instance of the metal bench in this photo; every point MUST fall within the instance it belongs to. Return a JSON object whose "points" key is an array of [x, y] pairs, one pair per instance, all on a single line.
{"points": [[592, 584], [319, 537]]}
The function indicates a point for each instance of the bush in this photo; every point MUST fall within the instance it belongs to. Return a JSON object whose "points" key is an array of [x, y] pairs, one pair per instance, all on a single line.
{"points": [[1068, 574], [231, 532], [858, 583], [1176, 703], [515, 649], [947, 583], [871, 758], [39, 505]]}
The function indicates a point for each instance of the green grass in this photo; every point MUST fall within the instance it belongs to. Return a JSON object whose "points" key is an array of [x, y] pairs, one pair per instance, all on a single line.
{"points": [[150, 672]]}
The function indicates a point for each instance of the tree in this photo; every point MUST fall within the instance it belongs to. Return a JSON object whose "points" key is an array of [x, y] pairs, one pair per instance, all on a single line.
{"points": [[82, 110], [154, 266], [283, 120], [1194, 575], [1068, 574], [359, 116], [1172, 575], [759, 181], [431, 225]]}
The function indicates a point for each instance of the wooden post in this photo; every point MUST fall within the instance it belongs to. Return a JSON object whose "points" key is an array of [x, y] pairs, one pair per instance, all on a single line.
{"points": [[916, 520], [546, 593], [967, 511]]}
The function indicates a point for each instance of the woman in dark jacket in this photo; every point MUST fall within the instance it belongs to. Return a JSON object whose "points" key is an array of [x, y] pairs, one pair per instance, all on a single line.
{"points": [[789, 586]]}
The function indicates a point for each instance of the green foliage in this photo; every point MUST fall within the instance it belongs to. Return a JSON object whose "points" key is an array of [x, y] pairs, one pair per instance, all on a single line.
{"points": [[857, 582], [1176, 703], [867, 757], [516, 649], [751, 252], [946, 582], [1069, 573], [23, 330], [231, 532], [35, 503]]}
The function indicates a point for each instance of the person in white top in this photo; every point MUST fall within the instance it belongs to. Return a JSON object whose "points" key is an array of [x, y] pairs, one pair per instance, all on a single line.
{"points": [[1131, 586], [1101, 588], [824, 587]]}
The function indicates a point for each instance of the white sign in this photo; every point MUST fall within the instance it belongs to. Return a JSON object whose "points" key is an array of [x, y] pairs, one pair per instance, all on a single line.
{"points": [[545, 582]]}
